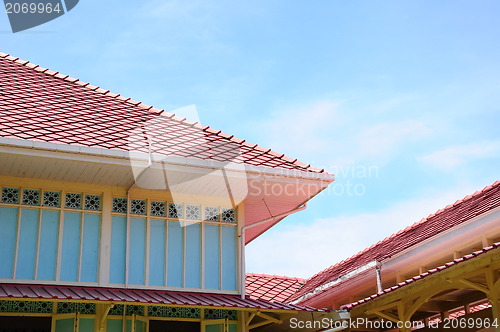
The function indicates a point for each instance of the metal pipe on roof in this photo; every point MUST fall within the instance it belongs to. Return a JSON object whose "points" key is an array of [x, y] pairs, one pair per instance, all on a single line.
{"points": [[242, 240], [378, 269]]}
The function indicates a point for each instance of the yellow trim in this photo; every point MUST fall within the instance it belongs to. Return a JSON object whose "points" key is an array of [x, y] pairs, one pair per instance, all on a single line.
{"points": [[23, 314]]}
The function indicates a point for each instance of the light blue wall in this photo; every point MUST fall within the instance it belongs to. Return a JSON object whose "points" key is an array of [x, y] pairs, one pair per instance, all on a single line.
{"points": [[70, 256], [182, 244], [212, 257], [157, 243], [90, 247], [137, 251], [27, 249], [193, 255], [8, 231], [47, 256], [44, 246], [175, 249], [175, 254], [118, 250], [229, 259], [70, 246]]}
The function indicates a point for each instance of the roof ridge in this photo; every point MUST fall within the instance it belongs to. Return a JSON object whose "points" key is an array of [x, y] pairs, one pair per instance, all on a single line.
{"points": [[440, 211], [149, 108]]}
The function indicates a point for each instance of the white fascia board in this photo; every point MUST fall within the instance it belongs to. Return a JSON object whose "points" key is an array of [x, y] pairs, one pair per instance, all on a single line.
{"points": [[83, 153], [443, 237]]}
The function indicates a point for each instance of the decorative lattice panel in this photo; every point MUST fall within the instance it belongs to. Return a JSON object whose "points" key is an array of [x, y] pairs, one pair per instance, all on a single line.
{"points": [[92, 202], [119, 205], [31, 197], [221, 314], [138, 206], [193, 212], [228, 215], [83, 308], [135, 310], [175, 210], [117, 310], [177, 312], [211, 213], [73, 201], [157, 209], [52, 198], [10, 195], [26, 306]]}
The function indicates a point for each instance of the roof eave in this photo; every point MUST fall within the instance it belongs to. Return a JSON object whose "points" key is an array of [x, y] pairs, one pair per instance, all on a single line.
{"points": [[80, 150]]}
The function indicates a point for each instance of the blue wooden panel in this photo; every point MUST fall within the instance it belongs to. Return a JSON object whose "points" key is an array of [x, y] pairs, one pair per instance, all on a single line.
{"points": [[27, 247], [86, 325], [229, 261], [212, 257], [47, 256], [193, 256], [157, 253], [137, 251], [175, 252], [118, 249], [70, 246], [90, 248], [8, 231]]}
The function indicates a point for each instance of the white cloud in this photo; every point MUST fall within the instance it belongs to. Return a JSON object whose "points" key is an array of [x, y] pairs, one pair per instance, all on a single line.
{"points": [[328, 133], [384, 138], [454, 156], [303, 129], [303, 250]]}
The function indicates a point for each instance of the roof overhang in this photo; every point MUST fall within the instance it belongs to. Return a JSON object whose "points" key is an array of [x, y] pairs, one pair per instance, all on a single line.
{"points": [[356, 279], [141, 296], [453, 285], [266, 191]]}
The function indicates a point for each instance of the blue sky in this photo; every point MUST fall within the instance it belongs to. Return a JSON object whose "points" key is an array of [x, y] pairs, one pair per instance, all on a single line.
{"points": [[401, 99]]}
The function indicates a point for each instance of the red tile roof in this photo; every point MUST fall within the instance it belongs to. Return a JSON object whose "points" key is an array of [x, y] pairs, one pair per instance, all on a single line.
{"points": [[423, 275], [43, 105], [444, 219], [271, 287], [150, 297]]}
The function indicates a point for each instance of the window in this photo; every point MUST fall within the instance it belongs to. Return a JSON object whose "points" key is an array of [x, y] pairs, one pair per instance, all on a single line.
{"points": [[168, 244], [49, 235]]}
